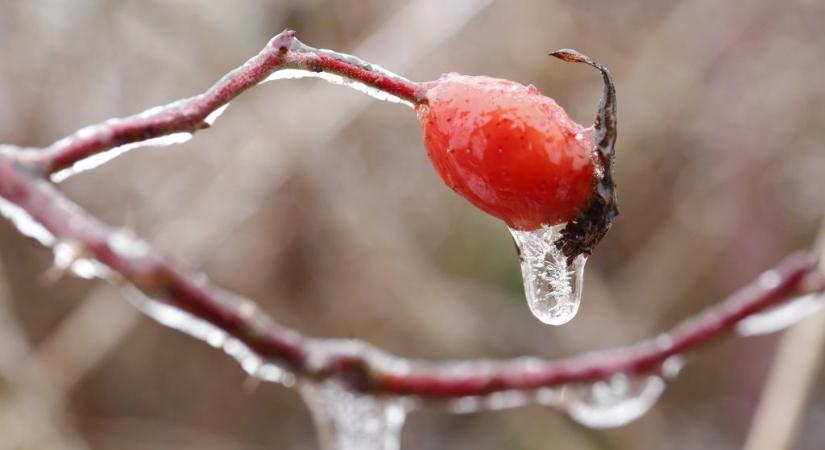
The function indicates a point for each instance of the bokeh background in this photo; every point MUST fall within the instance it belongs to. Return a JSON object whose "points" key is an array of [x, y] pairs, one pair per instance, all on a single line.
{"points": [[319, 203]]}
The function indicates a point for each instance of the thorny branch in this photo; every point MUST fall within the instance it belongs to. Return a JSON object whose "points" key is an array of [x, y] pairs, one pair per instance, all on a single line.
{"points": [[24, 183]]}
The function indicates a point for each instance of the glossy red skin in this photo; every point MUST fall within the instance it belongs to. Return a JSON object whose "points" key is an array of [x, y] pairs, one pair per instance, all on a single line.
{"points": [[507, 149]]}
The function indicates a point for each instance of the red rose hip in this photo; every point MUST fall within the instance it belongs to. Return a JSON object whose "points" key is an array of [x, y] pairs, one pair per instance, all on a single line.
{"points": [[516, 154], [507, 149]]}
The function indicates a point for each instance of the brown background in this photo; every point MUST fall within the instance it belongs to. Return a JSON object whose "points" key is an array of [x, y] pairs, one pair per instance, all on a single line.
{"points": [[320, 204]]}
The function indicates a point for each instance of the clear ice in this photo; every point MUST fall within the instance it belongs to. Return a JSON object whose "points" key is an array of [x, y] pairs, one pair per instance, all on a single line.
{"points": [[25, 223], [609, 403], [613, 402], [347, 420], [781, 316], [68, 256], [553, 288], [101, 158], [292, 74]]}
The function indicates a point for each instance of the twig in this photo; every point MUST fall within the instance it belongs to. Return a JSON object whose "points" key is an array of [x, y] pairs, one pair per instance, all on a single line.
{"points": [[361, 366], [23, 182], [284, 51]]}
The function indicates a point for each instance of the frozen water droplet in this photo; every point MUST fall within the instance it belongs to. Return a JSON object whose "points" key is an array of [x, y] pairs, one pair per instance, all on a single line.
{"points": [[506, 400], [552, 287], [127, 245], [65, 254], [672, 367], [68, 256], [781, 316], [104, 157], [24, 223], [614, 402], [769, 279], [348, 420], [492, 402], [466, 405]]}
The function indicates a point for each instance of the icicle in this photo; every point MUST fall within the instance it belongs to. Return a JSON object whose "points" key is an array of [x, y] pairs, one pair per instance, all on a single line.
{"points": [[552, 287], [614, 402], [213, 116], [104, 157], [600, 404], [291, 74], [781, 316], [346, 420]]}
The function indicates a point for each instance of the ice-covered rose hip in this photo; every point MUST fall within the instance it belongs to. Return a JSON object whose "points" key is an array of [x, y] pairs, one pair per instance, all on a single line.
{"points": [[516, 154], [507, 149]]}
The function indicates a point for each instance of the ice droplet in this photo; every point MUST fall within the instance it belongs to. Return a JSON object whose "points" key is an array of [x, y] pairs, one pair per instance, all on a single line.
{"points": [[553, 288], [613, 402], [68, 256], [104, 157], [292, 74], [126, 244], [24, 223], [347, 420], [781, 316]]}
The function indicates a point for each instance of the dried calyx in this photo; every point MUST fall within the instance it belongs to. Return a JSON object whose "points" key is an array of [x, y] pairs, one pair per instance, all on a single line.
{"points": [[583, 233]]}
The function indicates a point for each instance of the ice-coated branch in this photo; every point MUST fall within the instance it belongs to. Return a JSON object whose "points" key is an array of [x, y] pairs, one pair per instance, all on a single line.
{"points": [[185, 300], [361, 366], [189, 115]]}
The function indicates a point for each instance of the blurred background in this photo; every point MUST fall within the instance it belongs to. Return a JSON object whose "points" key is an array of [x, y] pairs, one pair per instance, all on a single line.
{"points": [[319, 203]]}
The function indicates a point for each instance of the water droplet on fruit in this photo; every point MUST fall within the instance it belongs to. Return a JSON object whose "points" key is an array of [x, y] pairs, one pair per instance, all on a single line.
{"points": [[553, 288]]}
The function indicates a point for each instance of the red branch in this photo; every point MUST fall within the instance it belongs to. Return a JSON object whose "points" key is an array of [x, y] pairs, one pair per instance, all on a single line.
{"points": [[284, 51], [24, 183]]}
